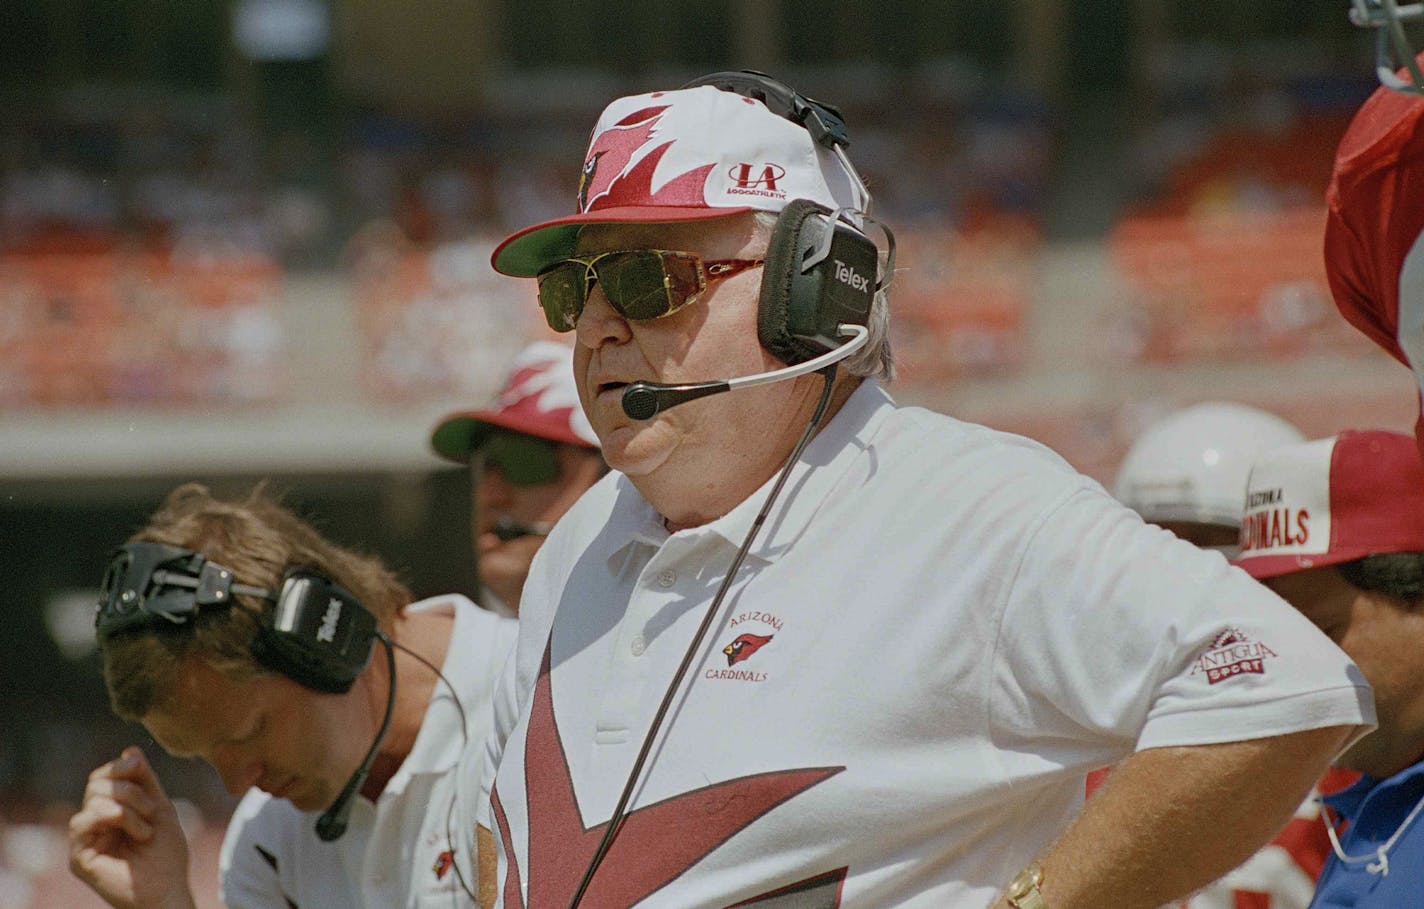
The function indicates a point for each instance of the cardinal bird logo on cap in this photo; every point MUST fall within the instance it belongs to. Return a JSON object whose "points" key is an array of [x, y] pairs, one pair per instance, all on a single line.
{"points": [[590, 168], [622, 161], [745, 646]]}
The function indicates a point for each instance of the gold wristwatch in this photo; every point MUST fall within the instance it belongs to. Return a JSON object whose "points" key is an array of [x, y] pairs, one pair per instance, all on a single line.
{"points": [[1023, 892]]}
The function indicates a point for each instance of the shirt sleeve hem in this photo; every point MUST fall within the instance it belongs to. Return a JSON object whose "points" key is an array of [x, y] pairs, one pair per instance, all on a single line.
{"points": [[1351, 705]]}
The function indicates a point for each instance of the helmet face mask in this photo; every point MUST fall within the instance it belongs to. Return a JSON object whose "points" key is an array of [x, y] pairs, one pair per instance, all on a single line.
{"points": [[1393, 51]]}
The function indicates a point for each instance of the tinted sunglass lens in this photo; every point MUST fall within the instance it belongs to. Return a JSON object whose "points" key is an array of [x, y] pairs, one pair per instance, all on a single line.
{"points": [[635, 284], [522, 460], [684, 278], [561, 294]]}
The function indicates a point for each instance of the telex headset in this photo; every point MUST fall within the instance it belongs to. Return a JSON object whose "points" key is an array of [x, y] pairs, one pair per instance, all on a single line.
{"points": [[821, 273], [318, 634]]}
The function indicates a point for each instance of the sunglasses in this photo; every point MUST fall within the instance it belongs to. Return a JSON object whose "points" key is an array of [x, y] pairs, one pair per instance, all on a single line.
{"points": [[640, 284], [522, 460]]}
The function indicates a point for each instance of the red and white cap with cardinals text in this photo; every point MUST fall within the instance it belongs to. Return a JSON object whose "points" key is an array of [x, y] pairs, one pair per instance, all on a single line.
{"points": [[539, 399], [1332, 500], [684, 155]]}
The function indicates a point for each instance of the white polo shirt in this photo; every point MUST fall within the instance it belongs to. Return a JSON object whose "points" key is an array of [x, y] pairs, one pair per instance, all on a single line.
{"points": [[940, 631], [396, 852]]}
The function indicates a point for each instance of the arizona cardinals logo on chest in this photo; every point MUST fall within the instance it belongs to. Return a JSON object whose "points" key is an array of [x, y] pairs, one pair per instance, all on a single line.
{"points": [[744, 646], [443, 863], [754, 629]]}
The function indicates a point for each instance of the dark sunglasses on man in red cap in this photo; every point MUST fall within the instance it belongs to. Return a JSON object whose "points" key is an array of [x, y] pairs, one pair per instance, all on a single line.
{"points": [[522, 460]]}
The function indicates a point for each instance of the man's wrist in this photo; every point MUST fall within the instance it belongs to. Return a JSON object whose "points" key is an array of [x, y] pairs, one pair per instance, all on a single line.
{"points": [[1024, 890]]}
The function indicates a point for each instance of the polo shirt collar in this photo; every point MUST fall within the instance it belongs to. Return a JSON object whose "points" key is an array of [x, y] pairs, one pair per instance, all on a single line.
{"points": [[823, 464], [1350, 801]]}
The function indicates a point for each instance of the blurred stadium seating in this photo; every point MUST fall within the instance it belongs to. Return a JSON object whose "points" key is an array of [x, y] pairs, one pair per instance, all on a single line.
{"points": [[103, 326], [1243, 284], [1220, 251], [161, 282]]}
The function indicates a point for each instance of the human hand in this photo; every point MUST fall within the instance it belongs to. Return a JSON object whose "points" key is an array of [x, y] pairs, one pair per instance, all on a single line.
{"points": [[125, 841]]}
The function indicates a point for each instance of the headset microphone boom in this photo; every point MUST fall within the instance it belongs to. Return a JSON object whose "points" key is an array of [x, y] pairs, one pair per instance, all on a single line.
{"points": [[645, 400]]}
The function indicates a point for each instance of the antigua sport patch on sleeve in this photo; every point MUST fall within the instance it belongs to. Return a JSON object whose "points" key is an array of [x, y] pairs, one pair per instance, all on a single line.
{"points": [[1231, 653]]}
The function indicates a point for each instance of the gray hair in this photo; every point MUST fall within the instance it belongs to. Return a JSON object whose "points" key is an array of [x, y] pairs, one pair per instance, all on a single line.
{"points": [[875, 358]]}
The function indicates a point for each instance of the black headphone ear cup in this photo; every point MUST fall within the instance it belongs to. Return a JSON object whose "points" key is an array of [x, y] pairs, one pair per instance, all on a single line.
{"points": [[803, 308], [779, 284], [319, 635]]}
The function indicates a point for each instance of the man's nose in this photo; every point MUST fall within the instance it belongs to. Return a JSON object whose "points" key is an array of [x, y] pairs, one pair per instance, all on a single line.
{"points": [[239, 772], [495, 490], [600, 323]]}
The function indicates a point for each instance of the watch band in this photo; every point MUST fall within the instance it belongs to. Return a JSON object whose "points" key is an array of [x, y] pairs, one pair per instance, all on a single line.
{"points": [[1024, 892]]}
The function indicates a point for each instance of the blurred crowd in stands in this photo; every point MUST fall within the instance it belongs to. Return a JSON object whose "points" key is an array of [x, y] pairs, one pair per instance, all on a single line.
{"points": [[143, 242], [1220, 251]]}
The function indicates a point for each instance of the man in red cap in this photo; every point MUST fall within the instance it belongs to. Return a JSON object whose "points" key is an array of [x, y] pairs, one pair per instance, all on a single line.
{"points": [[1336, 527], [531, 453]]}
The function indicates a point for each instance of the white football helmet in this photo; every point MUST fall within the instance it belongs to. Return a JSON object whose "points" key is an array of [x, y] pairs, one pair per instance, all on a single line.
{"points": [[1392, 48], [1192, 466]]}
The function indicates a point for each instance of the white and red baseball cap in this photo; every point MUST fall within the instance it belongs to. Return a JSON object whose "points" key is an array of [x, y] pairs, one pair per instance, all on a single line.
{"points": [[1374, 229], [1332, 500], [539, 399], [684, 155]]}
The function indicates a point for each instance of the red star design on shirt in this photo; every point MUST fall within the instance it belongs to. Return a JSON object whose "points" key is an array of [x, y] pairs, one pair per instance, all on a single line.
{"points": [[655, 844]]}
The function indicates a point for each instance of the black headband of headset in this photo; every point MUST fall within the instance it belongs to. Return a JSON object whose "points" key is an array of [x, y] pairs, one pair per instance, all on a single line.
{"points": [[317, 634], [822, 121], [145, 582]]}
